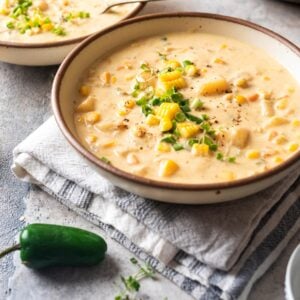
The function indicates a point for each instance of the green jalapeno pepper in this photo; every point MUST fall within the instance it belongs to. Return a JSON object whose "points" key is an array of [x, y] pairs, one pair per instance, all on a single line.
{"points": [[45, 245]]}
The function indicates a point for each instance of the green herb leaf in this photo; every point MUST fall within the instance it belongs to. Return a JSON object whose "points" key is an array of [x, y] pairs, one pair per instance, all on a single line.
{"points": [[10, 25], [145, 67]]}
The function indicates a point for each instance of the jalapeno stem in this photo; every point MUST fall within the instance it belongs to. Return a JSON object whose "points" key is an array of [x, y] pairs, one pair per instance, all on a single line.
{"points": [[10, 249]]}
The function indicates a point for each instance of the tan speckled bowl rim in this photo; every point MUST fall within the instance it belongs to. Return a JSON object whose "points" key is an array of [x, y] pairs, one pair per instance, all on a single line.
{"points": [[146, 181], [65, 42]]}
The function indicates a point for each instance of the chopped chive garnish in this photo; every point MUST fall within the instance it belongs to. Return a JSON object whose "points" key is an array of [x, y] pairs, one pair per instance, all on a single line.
{"points": [[187, 63], [84, 15], [219, 156], [145, 67], [193, 141], [194, 118], [170, 139], [162, 56], [59, 31], [232, 159], [178, 147], [180, 117], [197, 104], [10, 25], [105, 160]]}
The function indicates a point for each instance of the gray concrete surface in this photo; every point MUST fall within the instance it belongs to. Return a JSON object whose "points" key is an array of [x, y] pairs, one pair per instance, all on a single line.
{"points": [[24, 104]]}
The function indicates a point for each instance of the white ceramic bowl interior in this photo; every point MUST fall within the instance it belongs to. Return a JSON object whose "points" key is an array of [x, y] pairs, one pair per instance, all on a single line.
{"points": [[67, 79], [292, 277]]}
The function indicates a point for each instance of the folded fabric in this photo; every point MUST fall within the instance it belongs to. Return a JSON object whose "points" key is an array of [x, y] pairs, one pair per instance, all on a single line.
{"points": [[210, 251]]}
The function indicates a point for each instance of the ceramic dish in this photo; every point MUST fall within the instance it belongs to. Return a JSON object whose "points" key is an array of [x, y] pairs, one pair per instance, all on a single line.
{"points": [[292, 277], [47, 53], [82, 57]]}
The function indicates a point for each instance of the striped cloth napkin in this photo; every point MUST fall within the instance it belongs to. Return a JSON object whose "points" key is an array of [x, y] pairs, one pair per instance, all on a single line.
{"points": [[209, 251]]}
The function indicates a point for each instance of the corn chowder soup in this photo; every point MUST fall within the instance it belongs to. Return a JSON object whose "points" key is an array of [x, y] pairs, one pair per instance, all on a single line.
{"points": [[189, 108], [54, 20]]}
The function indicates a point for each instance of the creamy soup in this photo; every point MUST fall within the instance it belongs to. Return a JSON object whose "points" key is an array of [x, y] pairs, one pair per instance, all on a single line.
{"points": [[190, 108], [38, 21]]}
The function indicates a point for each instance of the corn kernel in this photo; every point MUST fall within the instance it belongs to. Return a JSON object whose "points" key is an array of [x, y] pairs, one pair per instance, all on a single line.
{"points": [[240, 99], [47, 27], [253, 97], [281, 139], [92, 117], [253, 154], [200, 149], [179, 83], [151, 120], [4, 12], [105, 77], [241, 82], [163, 147], [187, 129], [223, 46], [167, 168], [296, 123], [85, 90], [129, 103], [168, 110], [165, 124], [123, 112], [282, 103], [219, 61], [293, 147], [278, 159], [91, 138], [173, 64], [191, 70], [266, 78]]}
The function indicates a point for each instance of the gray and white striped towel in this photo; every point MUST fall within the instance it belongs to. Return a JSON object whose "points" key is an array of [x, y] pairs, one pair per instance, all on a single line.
{"points": [[211, 251]]}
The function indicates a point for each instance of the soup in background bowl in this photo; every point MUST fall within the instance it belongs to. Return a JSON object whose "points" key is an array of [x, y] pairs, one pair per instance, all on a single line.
{"points": [[196, 111]]}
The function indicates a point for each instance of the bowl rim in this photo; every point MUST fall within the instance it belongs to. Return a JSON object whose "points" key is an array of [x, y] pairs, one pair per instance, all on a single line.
{"points": [[66, 42], [147, 181]]}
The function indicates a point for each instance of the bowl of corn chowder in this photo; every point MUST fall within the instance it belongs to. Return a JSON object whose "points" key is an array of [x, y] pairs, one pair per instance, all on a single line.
{"points": [[43, 32], [184, 108]]}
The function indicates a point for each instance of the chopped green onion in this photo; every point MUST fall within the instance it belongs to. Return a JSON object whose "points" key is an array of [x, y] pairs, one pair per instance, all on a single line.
{"points": [[187, 63], [105, 160], [194, 118], [84, 15], [193, 141], [10, 25], [178, 147], [180, 117], [170, 139], [197, 104], [59, 31], [220, 156], [232, 159]]}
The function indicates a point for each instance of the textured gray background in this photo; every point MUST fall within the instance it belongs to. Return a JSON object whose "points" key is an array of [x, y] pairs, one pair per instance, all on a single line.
{"points": [[24, 105]]}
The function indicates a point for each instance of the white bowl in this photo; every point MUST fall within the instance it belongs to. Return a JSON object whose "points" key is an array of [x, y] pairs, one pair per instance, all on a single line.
{"points": [[45, 54], [104, 42], [292, 277]]}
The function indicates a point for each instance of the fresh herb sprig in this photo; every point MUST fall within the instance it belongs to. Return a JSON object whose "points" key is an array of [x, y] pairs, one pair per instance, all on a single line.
{"points": [[132, 283]]}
